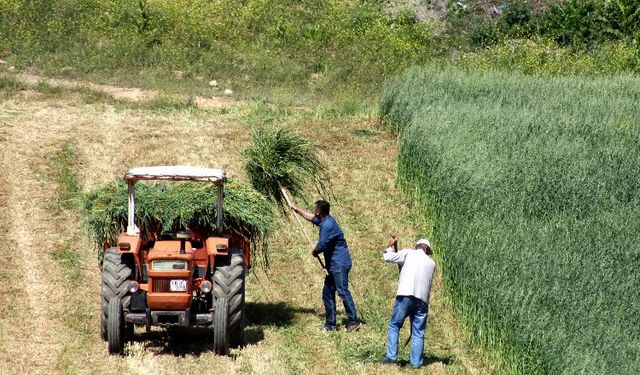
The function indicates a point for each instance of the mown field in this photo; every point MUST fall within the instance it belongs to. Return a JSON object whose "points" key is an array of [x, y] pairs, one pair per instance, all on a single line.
{"points": [[533, 186], [57, 142]]}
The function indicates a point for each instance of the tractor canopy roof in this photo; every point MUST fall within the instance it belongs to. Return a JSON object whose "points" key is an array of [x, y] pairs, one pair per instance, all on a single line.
{"points": [[177, 173]]}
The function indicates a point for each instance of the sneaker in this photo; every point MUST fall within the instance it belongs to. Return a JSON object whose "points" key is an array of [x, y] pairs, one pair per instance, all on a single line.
{"points": [[388, 361], [353, 327]]}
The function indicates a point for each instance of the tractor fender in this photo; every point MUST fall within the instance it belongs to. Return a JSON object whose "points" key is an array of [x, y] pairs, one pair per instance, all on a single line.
{"points": [[217, 246], [129, 244]]}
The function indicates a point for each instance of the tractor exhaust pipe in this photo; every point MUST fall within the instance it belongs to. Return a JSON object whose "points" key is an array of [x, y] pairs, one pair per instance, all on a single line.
{"points": [[131, 225], [220, 215]]}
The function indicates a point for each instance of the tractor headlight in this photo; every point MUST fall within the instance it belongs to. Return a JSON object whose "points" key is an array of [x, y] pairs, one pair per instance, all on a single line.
{"points": [[206, 286], [134, 286]]}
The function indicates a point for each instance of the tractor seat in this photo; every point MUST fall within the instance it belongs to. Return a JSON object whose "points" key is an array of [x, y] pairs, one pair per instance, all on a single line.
{"points": [[181, 235], [177, 235]]}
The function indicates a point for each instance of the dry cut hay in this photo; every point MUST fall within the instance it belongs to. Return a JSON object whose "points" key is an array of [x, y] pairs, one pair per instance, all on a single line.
{"points": [[164, 207], [282, 158]]}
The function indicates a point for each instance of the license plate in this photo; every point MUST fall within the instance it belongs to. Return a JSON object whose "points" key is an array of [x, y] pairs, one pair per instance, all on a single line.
{"points": [[178, 285]]}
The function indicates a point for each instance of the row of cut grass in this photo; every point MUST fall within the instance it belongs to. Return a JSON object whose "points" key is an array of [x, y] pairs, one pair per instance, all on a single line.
{"points": [[534, 188]]}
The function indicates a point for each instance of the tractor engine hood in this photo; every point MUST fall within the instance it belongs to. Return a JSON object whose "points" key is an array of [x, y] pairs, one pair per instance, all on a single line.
{"points": [[170, 275]]}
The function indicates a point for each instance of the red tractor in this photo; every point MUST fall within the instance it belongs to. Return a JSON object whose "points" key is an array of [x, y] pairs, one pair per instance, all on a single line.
{"points": [[176, 279]]}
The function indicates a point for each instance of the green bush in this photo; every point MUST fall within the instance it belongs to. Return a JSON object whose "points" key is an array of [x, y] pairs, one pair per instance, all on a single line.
{"points": [[545, 57], [586, 22], [516, 19], [534, 189], [578, 23]]}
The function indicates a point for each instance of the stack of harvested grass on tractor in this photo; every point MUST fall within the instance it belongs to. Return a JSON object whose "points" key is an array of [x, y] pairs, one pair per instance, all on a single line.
{"points": [[182, 258]]}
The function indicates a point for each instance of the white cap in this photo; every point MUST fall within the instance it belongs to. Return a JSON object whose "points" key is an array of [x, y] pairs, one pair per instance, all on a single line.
{"points": [[424, 241]]}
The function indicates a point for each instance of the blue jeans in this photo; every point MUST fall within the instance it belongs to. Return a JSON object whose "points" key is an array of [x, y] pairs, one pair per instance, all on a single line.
{"points": [[338, 280], [417, 311]]}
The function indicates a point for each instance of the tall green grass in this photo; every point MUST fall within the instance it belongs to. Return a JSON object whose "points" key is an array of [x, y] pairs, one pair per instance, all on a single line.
{"points": [[544, 57], [316, 46], [534, 186]]}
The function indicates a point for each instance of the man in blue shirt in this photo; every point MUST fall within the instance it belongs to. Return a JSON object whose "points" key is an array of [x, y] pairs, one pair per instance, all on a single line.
{"points": [[332, 244]]}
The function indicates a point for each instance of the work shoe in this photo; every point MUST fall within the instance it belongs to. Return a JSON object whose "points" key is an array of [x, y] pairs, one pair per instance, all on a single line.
{"points": [[388, 361], [353, 327], [329, 329]]}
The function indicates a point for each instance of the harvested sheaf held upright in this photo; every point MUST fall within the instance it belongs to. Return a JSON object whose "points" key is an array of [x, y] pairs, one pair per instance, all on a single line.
{"points": [[281, 162], [182, 205], [281, 159]]}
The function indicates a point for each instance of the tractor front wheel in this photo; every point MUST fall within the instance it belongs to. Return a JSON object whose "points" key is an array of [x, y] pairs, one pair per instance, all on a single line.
{"points": [[116, 327], [221, 326]]}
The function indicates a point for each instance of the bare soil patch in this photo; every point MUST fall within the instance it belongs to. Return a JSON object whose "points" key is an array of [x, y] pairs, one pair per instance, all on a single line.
{"points": [[130, 94]]}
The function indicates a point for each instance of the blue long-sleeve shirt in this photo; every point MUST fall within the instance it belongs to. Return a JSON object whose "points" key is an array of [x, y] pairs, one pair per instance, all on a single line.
{"points": [[331, 243]]}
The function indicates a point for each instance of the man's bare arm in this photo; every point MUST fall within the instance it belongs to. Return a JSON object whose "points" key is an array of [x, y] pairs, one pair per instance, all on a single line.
{"points": [[305, 214]]}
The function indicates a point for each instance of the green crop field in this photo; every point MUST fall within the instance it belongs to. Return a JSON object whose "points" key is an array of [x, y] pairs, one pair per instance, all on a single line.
{"points": [[533, 186]]}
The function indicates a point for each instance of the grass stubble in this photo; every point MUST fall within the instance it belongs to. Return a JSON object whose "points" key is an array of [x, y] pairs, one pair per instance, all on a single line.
{"points": [[283, 329]]}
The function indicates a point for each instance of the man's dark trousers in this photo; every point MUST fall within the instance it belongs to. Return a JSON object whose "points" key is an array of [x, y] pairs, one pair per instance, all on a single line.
{"points": [[338, 281]]}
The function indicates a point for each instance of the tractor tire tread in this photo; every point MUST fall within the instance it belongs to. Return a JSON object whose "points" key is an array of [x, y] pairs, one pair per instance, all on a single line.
{"points": [[221, 326], [229, 283], [116, 272], [115, 327]]}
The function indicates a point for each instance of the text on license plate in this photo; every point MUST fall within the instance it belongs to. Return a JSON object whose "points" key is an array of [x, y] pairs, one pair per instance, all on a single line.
{"points": [[178, 285]]}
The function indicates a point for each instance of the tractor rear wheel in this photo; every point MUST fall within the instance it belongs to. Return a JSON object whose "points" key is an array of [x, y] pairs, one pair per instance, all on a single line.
{"points": [[116, 272], [228, 282], [116, 327], [221, 326]]}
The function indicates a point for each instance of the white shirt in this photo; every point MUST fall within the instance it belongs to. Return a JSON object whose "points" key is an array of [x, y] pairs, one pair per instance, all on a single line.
{"points": [[416, 274]]}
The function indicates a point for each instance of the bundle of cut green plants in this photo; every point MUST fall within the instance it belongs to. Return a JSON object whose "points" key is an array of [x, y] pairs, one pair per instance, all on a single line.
{"points": [[164, 207], [282, 159]]}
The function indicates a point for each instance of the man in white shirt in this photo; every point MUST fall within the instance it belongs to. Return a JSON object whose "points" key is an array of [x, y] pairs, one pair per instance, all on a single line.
{"points": [[412, 297]]}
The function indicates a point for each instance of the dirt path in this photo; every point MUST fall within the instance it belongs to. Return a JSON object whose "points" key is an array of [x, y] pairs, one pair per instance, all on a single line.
{"points": [[47, 329], [130, 94], [35, 349], [11, 295]]}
